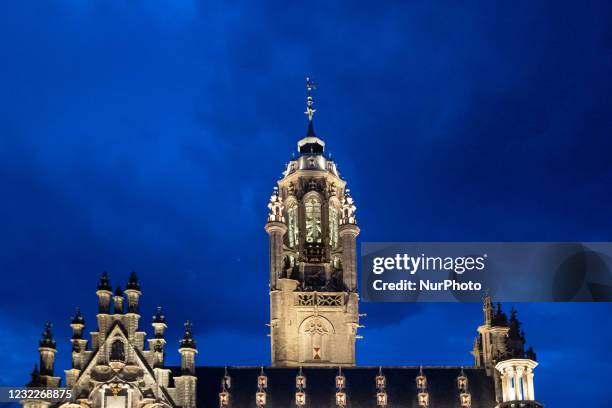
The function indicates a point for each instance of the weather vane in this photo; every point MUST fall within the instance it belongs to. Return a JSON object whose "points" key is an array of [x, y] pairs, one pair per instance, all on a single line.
{"points": [[310, 110]]}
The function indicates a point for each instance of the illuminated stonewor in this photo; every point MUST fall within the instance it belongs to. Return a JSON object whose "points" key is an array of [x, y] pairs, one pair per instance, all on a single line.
{"points": [[314, 313], [313, 327], [116, 368]]}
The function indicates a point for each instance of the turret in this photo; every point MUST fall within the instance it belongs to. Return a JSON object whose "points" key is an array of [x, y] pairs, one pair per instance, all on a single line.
{"points": [[157, 343], [348, 232], [276, 229], [104, 293], [79, 344], [103, 317], [515, 366], [188, 350], [118, 300], [186, 383], [132, 292], [47, 349], [77, 324]]}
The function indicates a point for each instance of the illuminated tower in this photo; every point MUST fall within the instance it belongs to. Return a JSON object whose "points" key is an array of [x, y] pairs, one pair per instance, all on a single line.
{"points": [[313, 275]]}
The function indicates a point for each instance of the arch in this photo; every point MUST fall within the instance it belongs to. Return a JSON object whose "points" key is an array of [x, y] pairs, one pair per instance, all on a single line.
{"points": [[315, 339]]}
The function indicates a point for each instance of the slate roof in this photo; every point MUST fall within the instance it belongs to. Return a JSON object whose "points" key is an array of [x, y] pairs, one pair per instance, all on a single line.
{"points": [[360, 386]]}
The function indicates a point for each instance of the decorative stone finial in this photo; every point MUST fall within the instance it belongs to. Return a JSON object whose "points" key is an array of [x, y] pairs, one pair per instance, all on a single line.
{"points": [[133, 282], [276, 207], [104, 283], [188, 341], [348, 209], [78, 317], [47, 337], [159, 316]]}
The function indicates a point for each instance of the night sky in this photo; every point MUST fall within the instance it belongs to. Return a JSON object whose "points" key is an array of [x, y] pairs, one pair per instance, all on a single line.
{"points": [[148, 135]]}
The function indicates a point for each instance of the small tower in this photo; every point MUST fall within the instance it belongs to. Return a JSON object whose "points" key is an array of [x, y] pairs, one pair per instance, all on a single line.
{"points": [[157, 343], [132, 291], [118, 301], [103, 318], [313, 275], [104, 293], [188, 350], [79, 346], [132, 316], [47, 349], [186, 383]]}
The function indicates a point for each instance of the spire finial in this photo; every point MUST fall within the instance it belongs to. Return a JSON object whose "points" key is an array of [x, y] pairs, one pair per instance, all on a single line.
{"points": [[310, 110]]}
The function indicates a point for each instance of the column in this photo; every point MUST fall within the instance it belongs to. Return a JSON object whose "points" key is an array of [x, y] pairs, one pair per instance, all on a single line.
{"points": [[530, 390], [348, 233], [518, 371], [509, 394], [276, 231]]}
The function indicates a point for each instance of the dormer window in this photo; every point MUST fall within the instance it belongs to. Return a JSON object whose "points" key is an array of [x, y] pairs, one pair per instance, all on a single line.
{"points": [[117, 351]]}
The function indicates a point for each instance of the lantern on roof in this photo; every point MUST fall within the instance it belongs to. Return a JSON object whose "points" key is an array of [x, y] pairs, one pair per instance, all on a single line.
{"points": [[223, 399], [381, 399], [340, 381], [423, 398], [465, 399], [262, 380], [421, 381], [462, 381], [340, 399], [300, 380], [226, 382], [381, 381], [300, 398], [260, 398]]}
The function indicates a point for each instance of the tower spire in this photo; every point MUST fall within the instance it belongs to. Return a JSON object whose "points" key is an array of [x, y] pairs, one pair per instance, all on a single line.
{"points": [[310, 110]]}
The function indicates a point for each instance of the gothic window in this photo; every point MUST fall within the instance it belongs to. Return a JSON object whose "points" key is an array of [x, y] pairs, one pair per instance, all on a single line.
{"points": [[117, 351], [292, 221], [333, 226], [313, 220]]}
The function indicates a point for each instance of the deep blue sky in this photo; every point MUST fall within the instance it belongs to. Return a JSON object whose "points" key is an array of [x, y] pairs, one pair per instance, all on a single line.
{"points": [[148, 135]]}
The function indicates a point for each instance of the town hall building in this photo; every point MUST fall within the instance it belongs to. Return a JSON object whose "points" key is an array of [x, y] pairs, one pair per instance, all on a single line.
{"points": [[314, 323]]}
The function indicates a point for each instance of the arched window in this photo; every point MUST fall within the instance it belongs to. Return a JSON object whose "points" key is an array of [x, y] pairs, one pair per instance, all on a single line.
{"points": [[333, 226], [117, 351], [313, 220], [292, 224]]}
